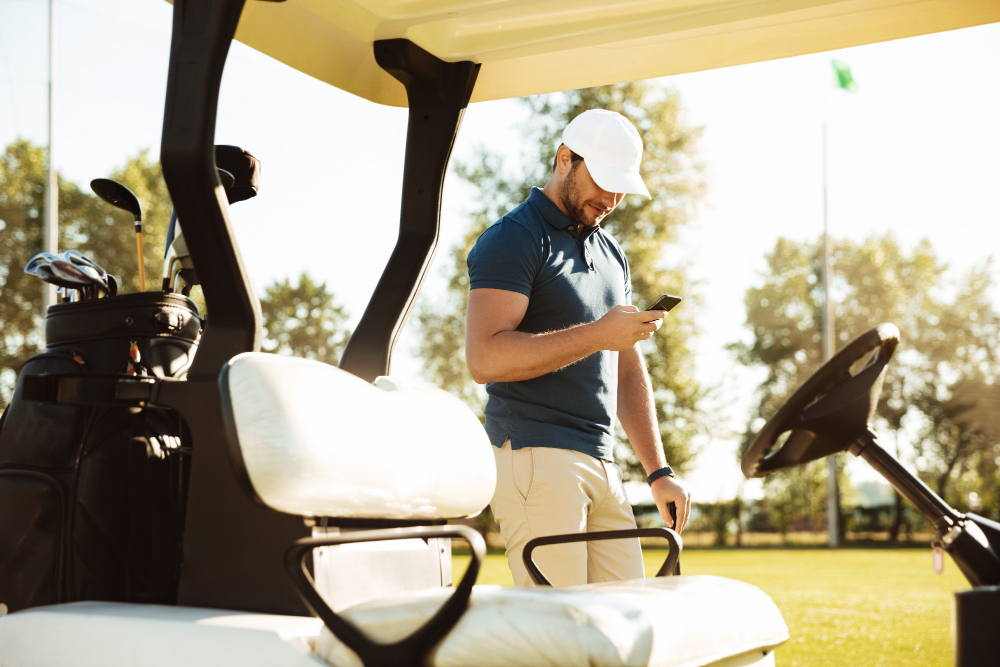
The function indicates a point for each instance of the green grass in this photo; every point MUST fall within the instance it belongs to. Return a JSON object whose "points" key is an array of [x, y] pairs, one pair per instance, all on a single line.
{"points": [[852, 607]]}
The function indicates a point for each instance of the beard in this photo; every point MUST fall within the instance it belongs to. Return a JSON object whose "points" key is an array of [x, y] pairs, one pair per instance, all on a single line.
{"points": [[577, 208]]}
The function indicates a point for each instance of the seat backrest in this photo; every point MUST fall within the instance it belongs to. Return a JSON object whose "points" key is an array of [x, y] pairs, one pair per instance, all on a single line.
{"points": [[308, 438]]}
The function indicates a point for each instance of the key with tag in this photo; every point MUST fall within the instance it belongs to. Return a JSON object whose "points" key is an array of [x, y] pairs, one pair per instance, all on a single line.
{"points": [[938, 557]]}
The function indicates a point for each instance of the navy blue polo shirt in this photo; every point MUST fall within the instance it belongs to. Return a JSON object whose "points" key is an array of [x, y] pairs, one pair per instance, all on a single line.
{"points": [[569, 278]]}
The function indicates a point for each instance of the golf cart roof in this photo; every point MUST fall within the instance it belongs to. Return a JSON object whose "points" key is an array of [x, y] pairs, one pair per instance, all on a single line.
{"points": [[527, 48]]}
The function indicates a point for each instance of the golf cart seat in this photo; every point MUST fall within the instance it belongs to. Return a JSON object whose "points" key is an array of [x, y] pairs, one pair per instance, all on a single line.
{"points": [[313, 440], [687, 621], [310, 439]]}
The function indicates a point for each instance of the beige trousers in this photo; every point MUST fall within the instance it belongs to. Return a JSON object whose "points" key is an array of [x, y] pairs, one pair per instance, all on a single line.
{"points": [[546, 491]]}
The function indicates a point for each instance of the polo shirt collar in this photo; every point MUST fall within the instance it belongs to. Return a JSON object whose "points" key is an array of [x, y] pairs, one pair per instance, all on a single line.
{"points": [[552, 214]]}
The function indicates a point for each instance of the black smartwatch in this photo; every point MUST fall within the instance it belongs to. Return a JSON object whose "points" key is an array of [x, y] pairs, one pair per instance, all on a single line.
{"points": [[657, 474]]}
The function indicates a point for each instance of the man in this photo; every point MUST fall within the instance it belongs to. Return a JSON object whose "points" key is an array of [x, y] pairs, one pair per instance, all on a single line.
{"points": [[552, 332]]}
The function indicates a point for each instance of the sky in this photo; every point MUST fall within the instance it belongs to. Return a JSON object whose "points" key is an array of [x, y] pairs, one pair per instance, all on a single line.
{"points": [[914, 153]]}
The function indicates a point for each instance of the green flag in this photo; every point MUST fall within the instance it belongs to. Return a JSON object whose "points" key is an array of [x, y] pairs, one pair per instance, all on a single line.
{"points": [[844, 78]]}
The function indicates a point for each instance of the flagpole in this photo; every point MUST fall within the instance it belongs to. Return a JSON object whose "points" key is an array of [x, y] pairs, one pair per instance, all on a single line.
{"points": [[833, 492], [51, 233]]}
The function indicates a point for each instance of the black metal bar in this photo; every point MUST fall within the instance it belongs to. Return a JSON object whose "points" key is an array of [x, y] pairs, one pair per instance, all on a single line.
{"points": [[670, 566], [928, 503], [408, 652], [232, 547], [672, 508], [438, 93], [202, 33]]}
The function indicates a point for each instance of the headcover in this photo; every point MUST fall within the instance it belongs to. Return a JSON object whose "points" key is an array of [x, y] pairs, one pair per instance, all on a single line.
{"points": [[244, 167]]}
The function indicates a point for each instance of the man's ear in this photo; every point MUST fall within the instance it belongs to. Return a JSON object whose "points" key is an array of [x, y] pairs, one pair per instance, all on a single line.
{"points": [[564, 160]]}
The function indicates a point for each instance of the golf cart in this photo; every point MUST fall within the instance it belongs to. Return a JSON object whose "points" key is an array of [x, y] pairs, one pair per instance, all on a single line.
{"points": [[295, 549]]}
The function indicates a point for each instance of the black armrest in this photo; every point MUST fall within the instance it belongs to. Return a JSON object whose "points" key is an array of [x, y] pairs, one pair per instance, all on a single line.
{"points": [[412, 649], [670, 566]]}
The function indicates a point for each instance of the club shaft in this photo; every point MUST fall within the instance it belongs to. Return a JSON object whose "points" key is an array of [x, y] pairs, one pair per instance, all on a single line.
{"points": [[142, 264]]}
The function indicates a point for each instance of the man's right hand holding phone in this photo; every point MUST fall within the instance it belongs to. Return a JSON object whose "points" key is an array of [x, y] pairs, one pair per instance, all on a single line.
{"points": [[624, 326]]}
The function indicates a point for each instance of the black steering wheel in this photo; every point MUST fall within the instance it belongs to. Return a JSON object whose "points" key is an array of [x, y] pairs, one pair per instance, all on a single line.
{"points": [[829, 411]]}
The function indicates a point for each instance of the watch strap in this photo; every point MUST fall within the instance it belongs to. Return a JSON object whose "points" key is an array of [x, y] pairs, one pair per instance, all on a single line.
{"points": [[666, 471]]}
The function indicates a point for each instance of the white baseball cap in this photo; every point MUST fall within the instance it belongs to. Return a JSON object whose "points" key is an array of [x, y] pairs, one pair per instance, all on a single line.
{"points": [[611, 147]]}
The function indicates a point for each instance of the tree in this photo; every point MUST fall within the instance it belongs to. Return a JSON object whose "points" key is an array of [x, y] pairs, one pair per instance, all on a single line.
{"points": [[957, 428], [303, 320], [949, 334], [300, 319], [22, 193], [642, 227], [104, 233]]}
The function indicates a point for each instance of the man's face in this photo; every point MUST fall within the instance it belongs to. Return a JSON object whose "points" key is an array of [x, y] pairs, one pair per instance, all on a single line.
{"points": [[584, 201]]}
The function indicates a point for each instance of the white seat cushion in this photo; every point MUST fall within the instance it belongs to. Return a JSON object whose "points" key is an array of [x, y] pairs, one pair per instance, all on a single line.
{"points": [[687, 621], [112, 634], [318, 441]]}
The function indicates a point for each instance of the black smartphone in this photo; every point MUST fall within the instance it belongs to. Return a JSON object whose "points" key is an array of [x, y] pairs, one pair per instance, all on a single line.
{"points": [[666, 302]]}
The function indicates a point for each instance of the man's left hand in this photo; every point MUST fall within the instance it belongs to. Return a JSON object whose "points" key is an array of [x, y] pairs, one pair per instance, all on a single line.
{"points": [[668, 490]]}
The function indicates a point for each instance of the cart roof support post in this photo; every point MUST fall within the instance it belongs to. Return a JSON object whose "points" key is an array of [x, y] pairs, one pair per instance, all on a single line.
{"points": [[233, 547], [202, 34], [438, 93]]}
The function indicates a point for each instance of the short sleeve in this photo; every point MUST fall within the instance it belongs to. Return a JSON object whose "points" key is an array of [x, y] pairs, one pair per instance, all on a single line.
{"points": [[505, 257], [628, 282]]}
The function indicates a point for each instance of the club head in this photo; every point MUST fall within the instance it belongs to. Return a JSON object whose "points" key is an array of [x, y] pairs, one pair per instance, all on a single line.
{"points": [[38, 260], [70, 273], [117, 195], [95, 277], [45, 272], [79, 259], [113, 285]]}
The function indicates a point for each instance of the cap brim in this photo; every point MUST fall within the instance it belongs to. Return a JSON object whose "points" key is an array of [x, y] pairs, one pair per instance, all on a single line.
{"points": [[616, 180]]}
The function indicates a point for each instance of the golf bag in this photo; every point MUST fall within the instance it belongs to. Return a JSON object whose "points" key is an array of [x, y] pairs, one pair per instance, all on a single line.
{"points": [[92, 496]]}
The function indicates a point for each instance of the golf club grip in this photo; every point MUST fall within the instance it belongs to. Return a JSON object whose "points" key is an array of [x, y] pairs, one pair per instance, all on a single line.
{"points": [[673, 515]]}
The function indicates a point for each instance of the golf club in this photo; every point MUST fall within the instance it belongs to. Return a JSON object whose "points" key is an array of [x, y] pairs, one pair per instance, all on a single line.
{"points": [[67, 295], [94, 287], [94, 276], [70, 273], [82, 260], [121, 197], [44, 271], [40, 258], [78, 277], [178, 267]]}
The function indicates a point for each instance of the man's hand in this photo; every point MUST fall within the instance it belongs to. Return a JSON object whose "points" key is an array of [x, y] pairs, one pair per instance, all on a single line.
{"points": [[668, 490], [624, 326]]}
